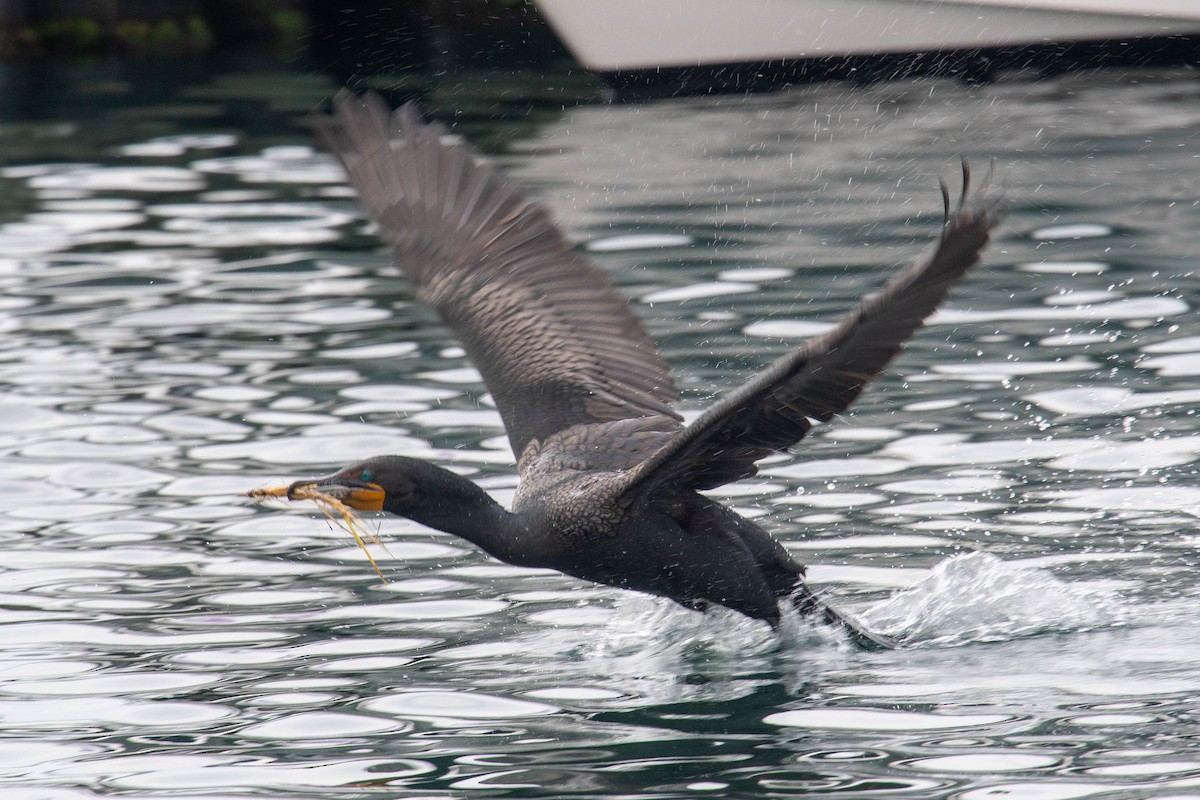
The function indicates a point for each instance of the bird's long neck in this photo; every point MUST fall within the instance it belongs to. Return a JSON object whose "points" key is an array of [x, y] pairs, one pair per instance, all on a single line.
{"points": [[452, 504]]}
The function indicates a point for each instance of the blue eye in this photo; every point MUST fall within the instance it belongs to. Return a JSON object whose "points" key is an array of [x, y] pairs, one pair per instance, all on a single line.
{"points": [[365, 476]]}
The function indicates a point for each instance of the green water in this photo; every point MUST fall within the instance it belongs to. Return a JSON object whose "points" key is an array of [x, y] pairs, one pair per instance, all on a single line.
{"points": [[192, 306]]}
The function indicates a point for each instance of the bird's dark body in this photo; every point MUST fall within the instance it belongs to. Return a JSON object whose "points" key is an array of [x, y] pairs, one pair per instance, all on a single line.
{"points": [[610, 477], [683, 546]]}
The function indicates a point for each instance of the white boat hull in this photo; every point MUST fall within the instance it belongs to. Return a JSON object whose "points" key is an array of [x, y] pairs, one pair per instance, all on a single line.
{"points": [[616, 37]]}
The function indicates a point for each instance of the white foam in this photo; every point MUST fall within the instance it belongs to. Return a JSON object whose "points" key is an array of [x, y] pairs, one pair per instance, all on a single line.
{"points": [[979, 597]]}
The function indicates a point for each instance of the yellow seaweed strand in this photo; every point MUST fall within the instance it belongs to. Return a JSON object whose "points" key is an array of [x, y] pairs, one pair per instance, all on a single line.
{"points": [[328, 505]]}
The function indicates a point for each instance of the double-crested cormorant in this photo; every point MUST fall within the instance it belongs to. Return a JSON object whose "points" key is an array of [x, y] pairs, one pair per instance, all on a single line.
{"points": [[610, 477]]}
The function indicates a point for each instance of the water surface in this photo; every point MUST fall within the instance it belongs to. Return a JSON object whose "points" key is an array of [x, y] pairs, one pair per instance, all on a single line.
{"points": [[192, 306]]}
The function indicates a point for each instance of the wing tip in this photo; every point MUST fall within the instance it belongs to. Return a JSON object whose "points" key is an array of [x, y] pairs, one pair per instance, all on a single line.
{"points": [[348, 111], [976, 202]]}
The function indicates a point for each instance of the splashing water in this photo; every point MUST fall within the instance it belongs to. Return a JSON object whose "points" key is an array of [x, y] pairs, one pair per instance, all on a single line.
{"points": [[979, 597], [680, 634], [975, 597]]}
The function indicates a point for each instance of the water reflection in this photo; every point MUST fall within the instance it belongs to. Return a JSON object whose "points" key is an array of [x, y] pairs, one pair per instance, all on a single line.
{"points": [[190, 312]]}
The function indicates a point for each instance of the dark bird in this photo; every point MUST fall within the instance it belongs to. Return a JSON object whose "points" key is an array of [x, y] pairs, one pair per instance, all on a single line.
{"points": [[610, 477]]}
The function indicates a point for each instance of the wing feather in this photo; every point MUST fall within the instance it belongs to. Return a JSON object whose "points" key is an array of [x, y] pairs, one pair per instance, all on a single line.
{"points": [[554, 342], [824, 376]]}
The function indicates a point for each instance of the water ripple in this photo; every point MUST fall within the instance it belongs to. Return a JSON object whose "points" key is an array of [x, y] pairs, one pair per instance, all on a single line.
{"points": [[193, 306]]}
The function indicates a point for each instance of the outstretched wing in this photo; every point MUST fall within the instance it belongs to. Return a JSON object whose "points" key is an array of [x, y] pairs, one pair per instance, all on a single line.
{"points": [[823, 377], [554, 342]]}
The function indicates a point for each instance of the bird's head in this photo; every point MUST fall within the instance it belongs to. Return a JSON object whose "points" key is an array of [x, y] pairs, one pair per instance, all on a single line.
{"points": [[383, 483]]}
